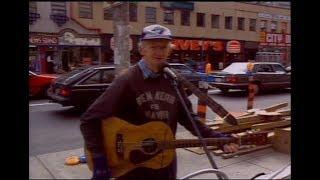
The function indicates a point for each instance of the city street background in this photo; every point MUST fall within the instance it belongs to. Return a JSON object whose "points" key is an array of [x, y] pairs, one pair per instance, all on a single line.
{"points": [[55, 128]]}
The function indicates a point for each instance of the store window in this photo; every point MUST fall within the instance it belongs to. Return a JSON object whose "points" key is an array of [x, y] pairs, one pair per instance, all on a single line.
{"points": [[107, 15], [32, 7], [273, 26], [215, 21], [59, 8], [151, 15], [185, 18], [284, 27], [201, 20], [240, 23], [263, 26], [85, 10], [133, 12], [228, 22], [168, 17], [252, 24]]}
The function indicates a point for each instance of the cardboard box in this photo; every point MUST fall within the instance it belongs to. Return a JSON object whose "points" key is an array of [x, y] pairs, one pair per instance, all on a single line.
{"points": [[282, 140]]}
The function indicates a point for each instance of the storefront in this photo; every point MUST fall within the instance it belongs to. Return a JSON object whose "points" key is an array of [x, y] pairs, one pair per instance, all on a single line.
{"points": [[63, 51], [275, 47], [220, 53], [41, 46]]}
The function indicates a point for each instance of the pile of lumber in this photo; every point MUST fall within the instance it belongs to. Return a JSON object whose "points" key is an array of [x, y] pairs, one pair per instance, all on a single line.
{"points": [[267, 120]]}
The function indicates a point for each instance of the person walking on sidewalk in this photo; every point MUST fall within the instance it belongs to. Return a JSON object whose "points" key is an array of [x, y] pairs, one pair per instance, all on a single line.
{"points": [[125, 98]]}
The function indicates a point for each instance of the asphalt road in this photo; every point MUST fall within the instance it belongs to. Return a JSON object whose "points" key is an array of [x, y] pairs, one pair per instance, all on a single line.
{"points": [[54, 128]]}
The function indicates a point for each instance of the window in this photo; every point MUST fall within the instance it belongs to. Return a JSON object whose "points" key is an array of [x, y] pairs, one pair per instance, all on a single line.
{"points": [[215, 19], [32, 7], [151, 15], [59, 8], [278, 68], [228, 22], [284, 27], [201, 19], [85, 10], [265, 68], [240, 23], [185, 18], [108, 76], [273, 26], [107, 15], [94, 79], [168, 17], [252, 25], [263, 25], [133, 12]]}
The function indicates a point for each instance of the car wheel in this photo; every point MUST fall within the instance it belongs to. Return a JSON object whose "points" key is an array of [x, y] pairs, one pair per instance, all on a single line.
{"points": [[224, 90]]}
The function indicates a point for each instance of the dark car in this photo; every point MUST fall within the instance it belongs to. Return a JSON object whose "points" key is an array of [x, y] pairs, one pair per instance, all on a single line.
{"points": [[39, 83], [190, 74], [81, 87], [266, 75]]}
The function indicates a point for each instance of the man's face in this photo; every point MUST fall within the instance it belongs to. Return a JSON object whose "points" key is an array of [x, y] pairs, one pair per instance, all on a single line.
{"points": [[155, 52]]}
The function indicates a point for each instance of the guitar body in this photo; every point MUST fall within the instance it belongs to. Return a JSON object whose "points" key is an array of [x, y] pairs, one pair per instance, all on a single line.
{"points": [[128, 146]]}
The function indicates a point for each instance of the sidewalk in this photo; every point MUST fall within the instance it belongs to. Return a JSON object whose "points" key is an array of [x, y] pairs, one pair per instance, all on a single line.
{"points": [[51, 166]]}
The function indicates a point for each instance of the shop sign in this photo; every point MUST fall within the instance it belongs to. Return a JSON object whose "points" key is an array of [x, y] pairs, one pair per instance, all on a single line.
{"points": [[43, 40], [273, 16], [273, 39], [112, 44], [233, 47], [69, 38], [196, 45]]}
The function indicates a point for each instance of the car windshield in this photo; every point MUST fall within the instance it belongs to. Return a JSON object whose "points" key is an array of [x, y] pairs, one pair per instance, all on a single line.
{"points": [[236, 68]]}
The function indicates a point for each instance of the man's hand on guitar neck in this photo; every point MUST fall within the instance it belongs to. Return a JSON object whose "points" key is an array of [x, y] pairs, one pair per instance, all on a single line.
{"points": [[232, 147]]}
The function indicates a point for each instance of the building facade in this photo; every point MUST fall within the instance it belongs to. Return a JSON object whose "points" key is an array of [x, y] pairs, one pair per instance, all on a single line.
{"points": [[216, 32]]}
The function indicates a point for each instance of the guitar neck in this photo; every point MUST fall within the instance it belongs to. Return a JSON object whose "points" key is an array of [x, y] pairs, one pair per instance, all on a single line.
{"points": [[183, 143], [215, 107]]}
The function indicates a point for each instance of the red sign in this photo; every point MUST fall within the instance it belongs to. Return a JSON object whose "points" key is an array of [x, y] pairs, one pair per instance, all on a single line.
{"points": [[48, 40], [273, 39], [184, 44], [233, 47]]}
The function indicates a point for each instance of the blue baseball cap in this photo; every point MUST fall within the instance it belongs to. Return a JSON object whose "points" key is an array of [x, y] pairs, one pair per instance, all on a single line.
{"points": [[155, 31]]}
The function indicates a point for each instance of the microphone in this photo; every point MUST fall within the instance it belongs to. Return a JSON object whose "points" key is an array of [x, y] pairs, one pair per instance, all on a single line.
{"points": [[169, 72]]}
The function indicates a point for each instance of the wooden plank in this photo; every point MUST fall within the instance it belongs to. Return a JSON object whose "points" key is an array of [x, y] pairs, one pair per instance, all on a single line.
{"points": [[271, 125], [243, 126], [276, 107], [286, 112], [218, 152], [245, 151], [199, 150]]}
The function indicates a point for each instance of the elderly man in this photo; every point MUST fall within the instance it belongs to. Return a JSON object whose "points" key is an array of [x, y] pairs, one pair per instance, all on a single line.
{"points": [[125, 98]]}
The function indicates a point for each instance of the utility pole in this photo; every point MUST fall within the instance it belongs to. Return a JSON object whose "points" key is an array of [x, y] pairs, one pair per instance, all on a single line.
{"points": [[121, 35]]}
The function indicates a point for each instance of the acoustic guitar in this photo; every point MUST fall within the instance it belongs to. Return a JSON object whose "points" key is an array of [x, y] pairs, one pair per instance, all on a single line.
{"points": [[151, 145]]}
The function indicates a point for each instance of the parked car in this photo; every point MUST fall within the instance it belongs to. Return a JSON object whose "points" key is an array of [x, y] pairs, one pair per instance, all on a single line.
{"points": [[190, 74], [266, 75], [39, 83], [82, 86]]}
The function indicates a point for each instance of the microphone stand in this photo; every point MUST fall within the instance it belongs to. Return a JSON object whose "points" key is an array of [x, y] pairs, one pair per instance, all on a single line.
{"points": [[220, 174]]}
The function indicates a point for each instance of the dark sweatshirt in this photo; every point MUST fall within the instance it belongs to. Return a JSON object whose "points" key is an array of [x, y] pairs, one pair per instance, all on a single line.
{"points": [[137, 100]]}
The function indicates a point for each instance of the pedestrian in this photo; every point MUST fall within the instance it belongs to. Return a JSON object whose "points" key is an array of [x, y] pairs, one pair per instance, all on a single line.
{"points": [[126, 98]]}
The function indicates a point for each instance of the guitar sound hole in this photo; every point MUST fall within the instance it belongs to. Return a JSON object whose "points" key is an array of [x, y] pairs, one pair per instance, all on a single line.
{"points": [[149, 145]]}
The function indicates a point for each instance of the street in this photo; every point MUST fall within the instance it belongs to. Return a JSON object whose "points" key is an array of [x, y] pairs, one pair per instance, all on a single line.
{"points": [[53, 128]]}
